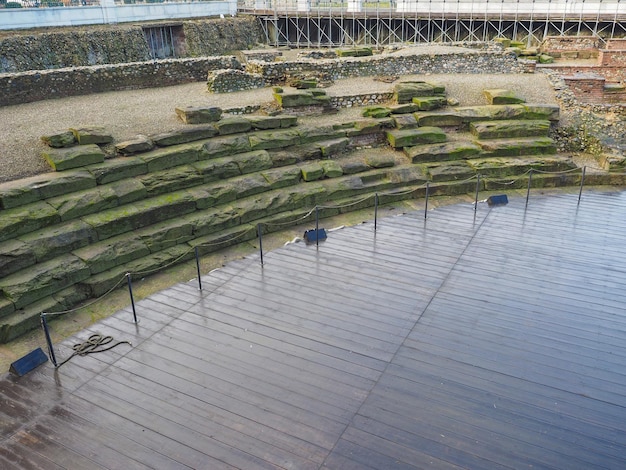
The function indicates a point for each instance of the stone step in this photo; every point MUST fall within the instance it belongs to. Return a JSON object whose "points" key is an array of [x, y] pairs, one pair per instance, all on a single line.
{"points": [[456, 150], [517, 147], [510, 129], [464, 115], [399, 138], [504, 167]]}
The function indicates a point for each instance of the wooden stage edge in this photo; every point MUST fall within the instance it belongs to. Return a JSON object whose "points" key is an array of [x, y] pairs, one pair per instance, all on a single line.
{"points": [[484, 339]]}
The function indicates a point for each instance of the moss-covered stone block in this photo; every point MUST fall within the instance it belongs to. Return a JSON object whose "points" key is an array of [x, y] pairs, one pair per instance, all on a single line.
{"points": [[312, 171], [15, 255], [442, 152], [173, 179], [251, 162], [409, 137], [510, 129], [112, 252], [303, 83], [517, 147], [218, 169], [502, 167], [405, 108], [333, 147], [43, 279], [281, 178], [6, 307], [272, 122], [364, 127], [212, 220], [117, 169], [296, 99], [24, 191], [502, 96], [428, 103], [250, 185], [198, 114], [166, 234], [59, 239], [140, 214], [355, 52], [545, 59], [128, 191], [450, 171], [222, 146], [163, 159], [406, 175], [92, 135], [214, 194], [316, 133], [73, 157], [551, 112], [59, 139], [184, 136], [505, 42], [404, 92], [353, 166], [331, 168], [274, 139], [405, 121], [25, 219], [376, 112], [139, 144], [232, 125], [439, 119], [84, 202], [380, 161]]}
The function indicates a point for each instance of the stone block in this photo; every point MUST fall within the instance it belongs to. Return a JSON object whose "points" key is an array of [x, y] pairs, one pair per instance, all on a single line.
{"points": [[502, 167], [551, 112], [450, 171], [405, 121], [251, 162], [352, 167], [272, 122], [280, 178], [199, 114], [233, 125], [25, 219], [380, 161], [92, 135], [274, 139], [229, 80], [331, 168], [117, 169], [517, 147], [166, 234], [250, 185], [222, 146], [316, 133], [376, 112], [333, 147], [6, 307], [439, 119], [113, 252], [183, 136], [303, 83], [299, 99], [59, 239], [43, 279], [364, 127], [312, 171], [442, 152], [217, 169], [214, 194], [173, 179], [410, 137], [59, 140], [16, 255], [405, 108], [404, 92], [139, 144], [73, 157], [84, 202], [428, 103], [502, 96], [163, 159], [129, 190], [510, 129], [355, 52]]}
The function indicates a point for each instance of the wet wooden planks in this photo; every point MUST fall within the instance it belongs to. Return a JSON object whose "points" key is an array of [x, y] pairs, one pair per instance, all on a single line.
{"points": [[487, 339]]}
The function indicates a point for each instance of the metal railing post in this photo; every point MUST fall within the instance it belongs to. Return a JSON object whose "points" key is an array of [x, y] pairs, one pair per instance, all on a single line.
{"points": [[44, 324], [582, 182], [260, 235], [477, 189], [530, 179], [198, 268], [426, 200], [375, 211], [132, 299], [317, 226]]}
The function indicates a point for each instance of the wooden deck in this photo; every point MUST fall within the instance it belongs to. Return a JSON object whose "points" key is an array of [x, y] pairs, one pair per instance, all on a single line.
{"points": [[481, 341]]}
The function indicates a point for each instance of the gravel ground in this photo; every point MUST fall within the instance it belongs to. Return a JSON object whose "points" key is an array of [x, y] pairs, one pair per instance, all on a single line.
{"points": [[126, 114]]}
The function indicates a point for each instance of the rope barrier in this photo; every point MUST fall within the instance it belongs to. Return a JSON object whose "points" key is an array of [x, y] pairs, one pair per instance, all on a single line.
{"points": [[91, 346], [345, 205], [291, 222]]}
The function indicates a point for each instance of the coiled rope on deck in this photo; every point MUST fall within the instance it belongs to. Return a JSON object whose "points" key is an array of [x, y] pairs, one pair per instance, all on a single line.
{"points": [[93, 345]]}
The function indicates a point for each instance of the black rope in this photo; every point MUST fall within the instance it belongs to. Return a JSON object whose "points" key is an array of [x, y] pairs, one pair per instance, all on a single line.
{"points": [[93, 345]]}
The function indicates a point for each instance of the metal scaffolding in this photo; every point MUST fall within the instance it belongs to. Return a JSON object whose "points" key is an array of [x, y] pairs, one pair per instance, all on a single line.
{"points": [[301, 23]]}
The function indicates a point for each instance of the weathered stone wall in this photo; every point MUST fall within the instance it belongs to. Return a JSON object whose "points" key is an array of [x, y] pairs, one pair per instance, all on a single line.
{"points": [[582, 47], [467, 61], [612, 74], [229, 80], [39, 85], [115, 44], [71, 48]]}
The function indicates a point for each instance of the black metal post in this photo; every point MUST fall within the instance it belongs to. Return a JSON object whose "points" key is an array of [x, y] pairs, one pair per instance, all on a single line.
{"points": [[582, 182], [530, 179], [375, 211], [426, 201], [260, 235], [198, 268], [132, 300], [317, 226], [46, 332], [476, 197]]}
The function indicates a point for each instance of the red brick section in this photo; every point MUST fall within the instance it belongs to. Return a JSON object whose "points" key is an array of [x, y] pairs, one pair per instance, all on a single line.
{"points": [[590, 88]]}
